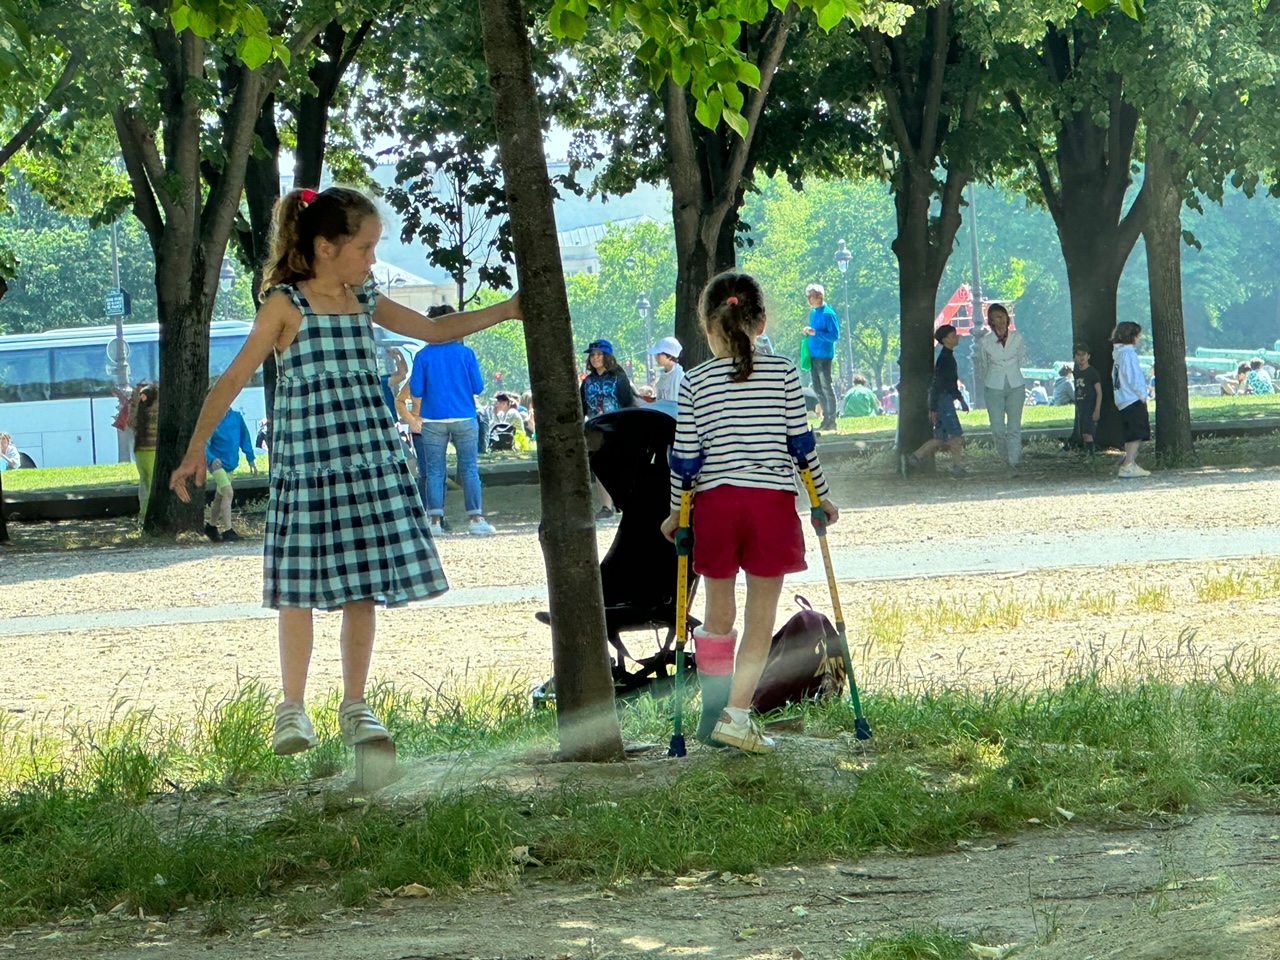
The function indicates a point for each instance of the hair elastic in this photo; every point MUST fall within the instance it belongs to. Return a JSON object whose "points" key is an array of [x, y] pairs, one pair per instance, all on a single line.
{"points": [[309, 195], [732, 301]]}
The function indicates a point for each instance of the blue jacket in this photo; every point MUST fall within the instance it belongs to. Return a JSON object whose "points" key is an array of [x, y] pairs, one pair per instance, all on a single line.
{"points": [[826, 331], [229, 437], [447, 377]]}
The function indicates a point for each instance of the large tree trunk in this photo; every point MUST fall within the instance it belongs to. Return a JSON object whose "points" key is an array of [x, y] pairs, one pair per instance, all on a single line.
{"points": [[586, 715], [1162, 235], [1087, 199]]}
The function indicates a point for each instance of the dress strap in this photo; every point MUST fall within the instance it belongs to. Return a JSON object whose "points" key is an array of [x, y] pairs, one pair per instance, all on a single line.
{"points": [[296, 296], [369, 296]]}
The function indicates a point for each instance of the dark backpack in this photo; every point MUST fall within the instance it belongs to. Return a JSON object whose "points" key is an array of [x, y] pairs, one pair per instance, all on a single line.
{"points": [[502, 436], [804, 662]]}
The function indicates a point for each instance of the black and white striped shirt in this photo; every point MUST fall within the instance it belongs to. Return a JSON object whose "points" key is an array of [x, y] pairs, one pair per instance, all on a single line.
{"points": [[741, 429]]}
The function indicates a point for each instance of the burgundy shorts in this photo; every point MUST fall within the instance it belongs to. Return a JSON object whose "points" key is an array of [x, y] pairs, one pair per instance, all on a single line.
{"points": [[743, 528]]}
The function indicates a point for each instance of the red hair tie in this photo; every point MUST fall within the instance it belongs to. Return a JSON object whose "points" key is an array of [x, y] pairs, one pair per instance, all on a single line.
{"points": [[309, 195], [732, 301]]}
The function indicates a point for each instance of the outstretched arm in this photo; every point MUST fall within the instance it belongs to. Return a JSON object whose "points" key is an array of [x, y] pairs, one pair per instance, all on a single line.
{"points": [[453, 326]]}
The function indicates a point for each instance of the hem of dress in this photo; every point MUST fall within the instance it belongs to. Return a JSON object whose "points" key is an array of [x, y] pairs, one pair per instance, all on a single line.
{"points": [[328, 605]]}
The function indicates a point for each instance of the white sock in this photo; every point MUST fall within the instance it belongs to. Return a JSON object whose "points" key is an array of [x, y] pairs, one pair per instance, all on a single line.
{"points": [[737, 714]]}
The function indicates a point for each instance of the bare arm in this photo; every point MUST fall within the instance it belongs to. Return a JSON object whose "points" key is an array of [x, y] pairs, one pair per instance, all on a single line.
{"points": [[277, 320], [453, 326]]}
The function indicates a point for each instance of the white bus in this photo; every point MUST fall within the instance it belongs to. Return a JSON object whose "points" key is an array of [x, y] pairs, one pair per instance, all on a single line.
{"points": [[55, 387]]}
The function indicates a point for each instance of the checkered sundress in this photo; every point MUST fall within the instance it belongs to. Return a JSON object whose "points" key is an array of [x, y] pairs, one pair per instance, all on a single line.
{"points": [[344, 521]]}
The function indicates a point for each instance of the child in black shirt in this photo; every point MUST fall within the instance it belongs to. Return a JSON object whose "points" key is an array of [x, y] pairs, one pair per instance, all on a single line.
{"points": [[1088, 398], [944, 394]]}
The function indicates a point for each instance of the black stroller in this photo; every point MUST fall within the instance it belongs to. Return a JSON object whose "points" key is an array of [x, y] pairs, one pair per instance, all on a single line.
{"points": [[628, 453]]}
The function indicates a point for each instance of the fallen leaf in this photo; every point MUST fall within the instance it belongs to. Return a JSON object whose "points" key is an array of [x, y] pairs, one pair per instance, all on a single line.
{"points": [[264, 932], [412, 890], [51, 936], [984, 849], [1121, 853], [1065, 814], [1035, 820], [1053, 859], [997, 952], [521, 856], [799, 911]]}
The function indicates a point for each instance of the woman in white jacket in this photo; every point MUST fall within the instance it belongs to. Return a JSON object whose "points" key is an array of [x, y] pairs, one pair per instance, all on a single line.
{"points": [[1131, 396], [1003, 354]]}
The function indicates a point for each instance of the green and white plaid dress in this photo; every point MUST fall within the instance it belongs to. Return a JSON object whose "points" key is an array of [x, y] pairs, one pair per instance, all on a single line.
{"points": [[344, 519]]}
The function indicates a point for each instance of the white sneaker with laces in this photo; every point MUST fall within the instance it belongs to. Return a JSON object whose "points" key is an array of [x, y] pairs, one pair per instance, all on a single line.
{"points": [[745, 736], [436, 529], [1132, 471], [294, 732], [481, 528]]}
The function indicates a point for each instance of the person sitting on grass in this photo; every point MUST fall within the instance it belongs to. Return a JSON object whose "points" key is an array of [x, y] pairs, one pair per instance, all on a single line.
{"points": [[1131, 397], [1258, 381], [861, 400], [1239, 385], [229, 438], [944, 393], [1064, 390]]}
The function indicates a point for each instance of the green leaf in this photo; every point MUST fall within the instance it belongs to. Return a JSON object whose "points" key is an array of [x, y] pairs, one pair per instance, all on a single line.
{"points": [[201, 24], [254, 22], [254, 51], [574, 26], [732, 96], [681, 71], [181, 17], [749, 74], [724, 71], [830, 15], [710, 109], [737, 121]]}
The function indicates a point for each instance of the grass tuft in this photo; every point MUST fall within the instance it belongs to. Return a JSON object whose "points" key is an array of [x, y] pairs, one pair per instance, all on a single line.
{"points": [[913, 945]]}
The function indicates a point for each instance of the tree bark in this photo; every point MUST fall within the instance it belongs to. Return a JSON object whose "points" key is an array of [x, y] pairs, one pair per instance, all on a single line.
{"points": [[585, 712], [1162, 234], [261, 191]]}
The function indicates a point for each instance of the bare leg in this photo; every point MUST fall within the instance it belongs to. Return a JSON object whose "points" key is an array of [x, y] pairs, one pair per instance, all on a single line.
{"points": [[222, 509], [719, 606], [359, 622], [1130, 452], [757, 634], [605, 499], [928, 449], [296, 639], [956, 446]]}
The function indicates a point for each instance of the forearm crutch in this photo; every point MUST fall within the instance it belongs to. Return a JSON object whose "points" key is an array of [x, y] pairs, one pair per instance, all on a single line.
{"points": [[687, 470], [801, 447]]}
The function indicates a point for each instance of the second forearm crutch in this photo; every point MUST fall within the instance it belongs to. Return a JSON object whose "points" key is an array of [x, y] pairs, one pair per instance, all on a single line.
{"points": [[687, 470], [801, 447]]}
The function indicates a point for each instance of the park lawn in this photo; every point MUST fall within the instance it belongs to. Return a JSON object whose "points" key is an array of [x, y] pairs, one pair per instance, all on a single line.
{"points": [[1048, 418], [74, 478]]}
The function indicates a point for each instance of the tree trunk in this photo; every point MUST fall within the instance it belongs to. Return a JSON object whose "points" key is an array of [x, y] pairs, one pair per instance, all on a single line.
{"points": [[586, 716], [1094, 282], [184, 310], [4, 524], [1162, 235], [261, 191]]}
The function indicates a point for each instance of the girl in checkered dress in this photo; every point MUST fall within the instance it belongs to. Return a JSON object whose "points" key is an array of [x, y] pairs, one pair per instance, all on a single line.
{"points": [[345, 525]]}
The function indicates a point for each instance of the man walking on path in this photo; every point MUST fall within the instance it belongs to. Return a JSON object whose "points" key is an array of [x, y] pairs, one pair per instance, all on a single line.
{"points": [[822, 332]]}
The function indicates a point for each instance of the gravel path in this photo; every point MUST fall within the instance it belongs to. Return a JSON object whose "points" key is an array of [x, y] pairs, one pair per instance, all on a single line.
{"points": [[1009, 537]]}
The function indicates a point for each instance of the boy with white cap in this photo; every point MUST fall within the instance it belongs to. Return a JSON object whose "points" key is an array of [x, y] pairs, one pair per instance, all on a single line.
{"points": [[666, 352]]}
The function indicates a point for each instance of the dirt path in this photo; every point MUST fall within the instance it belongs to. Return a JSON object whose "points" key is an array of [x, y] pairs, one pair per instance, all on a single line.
{"points": [[1208, 889]]}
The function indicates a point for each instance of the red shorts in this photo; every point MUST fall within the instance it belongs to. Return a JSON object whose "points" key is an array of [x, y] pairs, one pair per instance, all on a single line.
{"points": [[743, 528]]}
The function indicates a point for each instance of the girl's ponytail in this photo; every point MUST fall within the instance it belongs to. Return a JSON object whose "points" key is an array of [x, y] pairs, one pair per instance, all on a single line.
{"points": [[732, 309], [300, 218]]}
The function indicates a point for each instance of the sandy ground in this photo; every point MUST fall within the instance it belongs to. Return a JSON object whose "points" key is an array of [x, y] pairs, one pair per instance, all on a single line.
{"points": [[173, 666]]}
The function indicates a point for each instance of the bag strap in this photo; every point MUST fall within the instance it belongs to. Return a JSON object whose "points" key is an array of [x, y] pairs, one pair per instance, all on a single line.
{"points": [[802, 602]]}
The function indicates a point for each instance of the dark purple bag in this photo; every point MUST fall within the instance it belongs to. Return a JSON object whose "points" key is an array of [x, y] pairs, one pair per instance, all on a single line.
{"points": [[804, 662]]}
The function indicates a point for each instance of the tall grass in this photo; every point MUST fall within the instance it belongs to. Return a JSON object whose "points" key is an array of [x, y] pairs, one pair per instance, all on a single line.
{"points": [[139, 812]]}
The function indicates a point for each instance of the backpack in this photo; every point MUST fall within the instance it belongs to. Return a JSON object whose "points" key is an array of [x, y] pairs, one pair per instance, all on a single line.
{"points": [[502, 436], [804, 662]]}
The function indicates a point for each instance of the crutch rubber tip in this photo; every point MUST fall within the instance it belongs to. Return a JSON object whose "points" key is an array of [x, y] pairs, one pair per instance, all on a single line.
{"points": [[862, 729], [677, 746]]}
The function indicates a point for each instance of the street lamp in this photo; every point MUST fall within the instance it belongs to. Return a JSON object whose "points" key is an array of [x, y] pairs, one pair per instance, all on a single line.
{"points": [[226, 276], [642, 308], [843, 256]]}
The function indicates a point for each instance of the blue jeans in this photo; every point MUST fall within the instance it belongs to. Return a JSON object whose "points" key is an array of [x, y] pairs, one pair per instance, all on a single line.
{"points": [[432, 467]]}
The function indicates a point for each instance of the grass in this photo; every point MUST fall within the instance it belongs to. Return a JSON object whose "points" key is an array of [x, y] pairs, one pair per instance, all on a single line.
{"points": [[158, 816], [912, 945]]}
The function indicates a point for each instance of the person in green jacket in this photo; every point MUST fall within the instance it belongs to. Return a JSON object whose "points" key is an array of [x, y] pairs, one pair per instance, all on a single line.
{"points": [[860, 401]]}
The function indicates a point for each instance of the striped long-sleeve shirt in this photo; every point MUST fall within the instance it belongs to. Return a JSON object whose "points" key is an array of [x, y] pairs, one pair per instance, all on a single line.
{"points": [[741, 429]]}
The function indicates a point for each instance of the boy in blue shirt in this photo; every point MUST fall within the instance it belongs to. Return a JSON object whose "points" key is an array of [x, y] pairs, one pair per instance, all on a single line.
{"points": [[229, 438]]}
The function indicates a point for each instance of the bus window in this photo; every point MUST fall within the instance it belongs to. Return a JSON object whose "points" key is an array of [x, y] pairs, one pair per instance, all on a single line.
{"points": [[81, 372], [222, 350], [24, 376], [142, 362]]}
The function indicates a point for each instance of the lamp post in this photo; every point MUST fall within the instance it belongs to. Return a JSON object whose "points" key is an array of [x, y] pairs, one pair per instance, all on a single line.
{"points": [[642, 308], [226, 276], [843, 256]]}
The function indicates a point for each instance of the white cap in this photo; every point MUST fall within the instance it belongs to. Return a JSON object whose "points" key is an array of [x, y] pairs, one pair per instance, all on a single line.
{"points": [[668, 345]]}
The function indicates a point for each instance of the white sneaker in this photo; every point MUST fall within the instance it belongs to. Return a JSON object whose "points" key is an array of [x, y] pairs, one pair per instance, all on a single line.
{"points": [[358, 724], [294, 732], [1132, 471], [481, 528], [436, 529], [745, 736]]}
